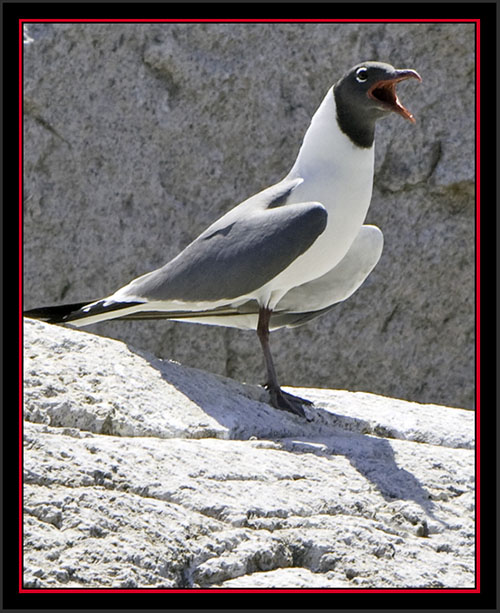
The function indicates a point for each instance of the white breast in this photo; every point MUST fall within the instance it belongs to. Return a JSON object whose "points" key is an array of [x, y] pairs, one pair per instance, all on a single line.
{"points": [[338, 174]]}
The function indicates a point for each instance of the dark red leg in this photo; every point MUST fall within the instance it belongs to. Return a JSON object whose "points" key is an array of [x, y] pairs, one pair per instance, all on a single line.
{"points": [[279, 399]]}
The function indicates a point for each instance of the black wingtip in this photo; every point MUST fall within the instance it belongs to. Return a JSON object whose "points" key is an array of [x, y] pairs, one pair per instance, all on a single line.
{"points": [[67, 313], [55, 314]]}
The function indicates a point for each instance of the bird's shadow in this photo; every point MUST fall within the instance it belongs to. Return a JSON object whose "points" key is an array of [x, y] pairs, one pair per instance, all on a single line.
{"points": [[243, 410], [374, 458]]}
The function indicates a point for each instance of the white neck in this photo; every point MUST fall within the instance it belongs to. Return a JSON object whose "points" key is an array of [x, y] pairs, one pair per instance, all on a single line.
{"points": [[326, 148]]}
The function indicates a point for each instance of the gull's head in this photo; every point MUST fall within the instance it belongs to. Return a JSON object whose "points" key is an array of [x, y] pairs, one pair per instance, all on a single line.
{"points": [[370, 87], [367, 93]]}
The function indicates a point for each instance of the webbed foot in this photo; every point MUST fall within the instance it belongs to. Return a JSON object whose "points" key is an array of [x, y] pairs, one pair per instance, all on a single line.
{"points": [[287, 402]]}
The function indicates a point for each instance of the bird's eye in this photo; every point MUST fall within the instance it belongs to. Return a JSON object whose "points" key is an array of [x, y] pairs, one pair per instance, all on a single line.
{"points": [[361, 75]]}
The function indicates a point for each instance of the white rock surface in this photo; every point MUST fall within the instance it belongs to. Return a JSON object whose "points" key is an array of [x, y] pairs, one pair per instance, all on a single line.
{"points": [[140, 472]]}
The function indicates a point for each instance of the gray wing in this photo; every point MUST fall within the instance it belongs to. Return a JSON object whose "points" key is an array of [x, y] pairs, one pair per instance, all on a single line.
{"points": [[302, 303], [317, 297], [239, 253], [342, 280]]}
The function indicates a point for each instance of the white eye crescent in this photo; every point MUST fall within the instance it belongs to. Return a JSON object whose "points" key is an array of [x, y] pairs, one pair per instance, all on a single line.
{"points": [[361, 75]]}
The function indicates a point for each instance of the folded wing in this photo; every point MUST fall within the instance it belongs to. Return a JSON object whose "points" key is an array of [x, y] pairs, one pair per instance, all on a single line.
{"points": [[234, 257]]}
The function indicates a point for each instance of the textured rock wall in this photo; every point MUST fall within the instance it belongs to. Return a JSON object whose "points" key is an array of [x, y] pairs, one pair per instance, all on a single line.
{"points": [[138, 136], [145, 473]]}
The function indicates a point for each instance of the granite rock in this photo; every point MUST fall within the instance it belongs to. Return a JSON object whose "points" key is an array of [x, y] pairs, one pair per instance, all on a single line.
{"points": [[142, 473]]}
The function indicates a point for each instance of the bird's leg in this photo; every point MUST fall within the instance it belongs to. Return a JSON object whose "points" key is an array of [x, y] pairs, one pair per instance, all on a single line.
{"points": [[305, 401], [279, 399]]}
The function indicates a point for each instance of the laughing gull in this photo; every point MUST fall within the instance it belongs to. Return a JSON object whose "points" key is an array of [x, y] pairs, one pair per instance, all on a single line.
{"points": [[286, 254]]}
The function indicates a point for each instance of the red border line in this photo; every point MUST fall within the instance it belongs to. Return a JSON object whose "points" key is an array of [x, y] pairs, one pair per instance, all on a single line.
{"points": [[253, 591], [476, 589], [478, 310], [21, 327], [215, 20]]}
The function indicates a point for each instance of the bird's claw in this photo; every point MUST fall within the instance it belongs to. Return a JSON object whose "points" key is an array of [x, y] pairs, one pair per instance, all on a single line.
{"points": [[305, 401], [287, 402]]}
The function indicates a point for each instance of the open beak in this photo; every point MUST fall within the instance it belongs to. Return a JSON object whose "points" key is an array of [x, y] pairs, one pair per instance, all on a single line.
{"points": [[384, 92]]}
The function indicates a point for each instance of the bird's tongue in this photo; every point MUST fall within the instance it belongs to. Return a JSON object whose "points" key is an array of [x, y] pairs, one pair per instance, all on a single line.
{"points": [[384, 92]]}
